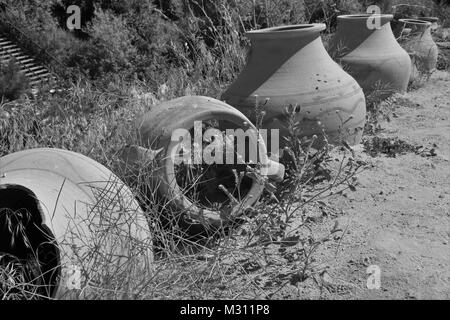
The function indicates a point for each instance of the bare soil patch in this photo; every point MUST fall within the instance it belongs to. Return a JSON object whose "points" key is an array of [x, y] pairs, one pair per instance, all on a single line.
{"points": [[399, 216]]}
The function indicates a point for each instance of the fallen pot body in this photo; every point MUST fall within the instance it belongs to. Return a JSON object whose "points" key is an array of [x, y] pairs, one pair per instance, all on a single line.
{"points": [[289, 67], [371, 54], [178, 130], [83, 221], [419, 42]]}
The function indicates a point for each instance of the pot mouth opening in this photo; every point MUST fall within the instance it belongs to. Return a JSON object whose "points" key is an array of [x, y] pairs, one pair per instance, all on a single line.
{"points": [[289, 30], [364, 16], [415, 21], [35, 249], [201, 184]]}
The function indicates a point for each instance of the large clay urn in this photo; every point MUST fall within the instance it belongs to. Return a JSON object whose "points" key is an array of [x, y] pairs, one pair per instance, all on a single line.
{"points": [[80, 221], [198, 193], [419, 43], [365, 45], [288, 66]]}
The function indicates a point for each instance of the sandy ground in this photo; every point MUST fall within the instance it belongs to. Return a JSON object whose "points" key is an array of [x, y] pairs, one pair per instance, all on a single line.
{"points": [[398, 219]]}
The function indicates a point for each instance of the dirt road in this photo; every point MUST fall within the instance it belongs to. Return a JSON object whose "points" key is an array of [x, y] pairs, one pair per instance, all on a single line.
{"points": [[399, 217]]}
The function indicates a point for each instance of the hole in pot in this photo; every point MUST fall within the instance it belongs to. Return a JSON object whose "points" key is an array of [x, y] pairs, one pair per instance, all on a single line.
{"points": [[29, 257]]}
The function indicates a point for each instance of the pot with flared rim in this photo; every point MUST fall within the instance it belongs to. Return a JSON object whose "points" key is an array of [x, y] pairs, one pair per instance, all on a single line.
{"points": [[288, 66]]}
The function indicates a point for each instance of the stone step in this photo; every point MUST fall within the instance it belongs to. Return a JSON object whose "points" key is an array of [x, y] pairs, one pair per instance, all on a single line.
{"points": [[27, 65], [12, 51], [24, 59], [34, 68], [39, 78], [14, 54], [35, 73], [8, 47]]}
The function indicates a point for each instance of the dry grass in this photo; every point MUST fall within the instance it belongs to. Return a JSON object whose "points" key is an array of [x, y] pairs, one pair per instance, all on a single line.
{"points": [[274, 241]]}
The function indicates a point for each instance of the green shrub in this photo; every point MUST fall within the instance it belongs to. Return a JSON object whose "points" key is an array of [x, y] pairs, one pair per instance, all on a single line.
{"points": [[109, 49], [13, 83]]}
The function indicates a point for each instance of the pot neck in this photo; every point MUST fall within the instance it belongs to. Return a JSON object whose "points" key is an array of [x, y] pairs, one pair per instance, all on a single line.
{"points": [[287, 33], [364, 22], [282, 49], [285, 41], [353, 30]]}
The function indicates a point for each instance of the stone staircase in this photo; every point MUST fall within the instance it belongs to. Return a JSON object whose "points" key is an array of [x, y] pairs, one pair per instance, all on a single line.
{"points": [[36, 73]]}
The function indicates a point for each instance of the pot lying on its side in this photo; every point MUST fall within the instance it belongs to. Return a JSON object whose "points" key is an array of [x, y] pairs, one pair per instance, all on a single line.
{"points": [[288, 66], [419, 42], [185, 176], [371, 54], [74, 216]]}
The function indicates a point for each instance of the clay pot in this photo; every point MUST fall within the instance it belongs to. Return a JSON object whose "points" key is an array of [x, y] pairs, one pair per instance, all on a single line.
{"points": [[198, 202], [372, 56], [433, 20], [415, 73], [289, 66], [420, 43], [83, 219]]}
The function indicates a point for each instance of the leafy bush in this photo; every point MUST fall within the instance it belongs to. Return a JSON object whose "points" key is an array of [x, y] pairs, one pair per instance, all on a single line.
{"points": [[109, 49], [13, 83], [442, 10]]}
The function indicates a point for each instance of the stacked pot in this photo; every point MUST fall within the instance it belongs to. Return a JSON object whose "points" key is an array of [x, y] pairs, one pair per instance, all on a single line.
{"points": [[371, 54], [421, 46]]}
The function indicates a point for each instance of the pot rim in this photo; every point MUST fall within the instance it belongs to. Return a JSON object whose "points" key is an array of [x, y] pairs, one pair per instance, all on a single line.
{"points": [[294, 30], [364, 16], [415, 22], [429, 19]]}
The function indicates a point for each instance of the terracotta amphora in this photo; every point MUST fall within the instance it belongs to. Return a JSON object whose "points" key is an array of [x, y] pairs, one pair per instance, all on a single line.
{"points": [[81, 222], [288, 66], [198, 189], [420, 43], [365, 45]]}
